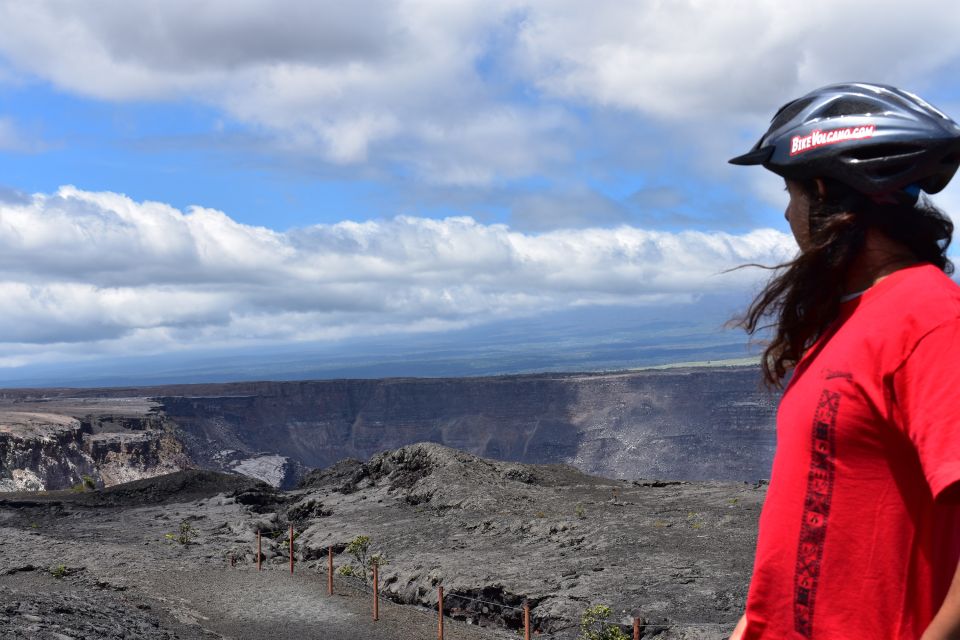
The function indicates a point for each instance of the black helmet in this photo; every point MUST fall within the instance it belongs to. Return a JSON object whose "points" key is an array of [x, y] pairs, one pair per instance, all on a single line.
{"points": [[876, 139]]}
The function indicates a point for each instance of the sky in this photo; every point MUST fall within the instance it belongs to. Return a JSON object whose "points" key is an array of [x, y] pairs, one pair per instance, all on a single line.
{"points": [[181, 179]]}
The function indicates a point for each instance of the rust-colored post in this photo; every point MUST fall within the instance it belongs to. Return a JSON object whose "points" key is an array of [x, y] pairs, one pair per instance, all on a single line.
{"points": [[330, 570], [636, 629], [258, 550], [291, 548], [376, 594], [440, 610], [526, 621]]}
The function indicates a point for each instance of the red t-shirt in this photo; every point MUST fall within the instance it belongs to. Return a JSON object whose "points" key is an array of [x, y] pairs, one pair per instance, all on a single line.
{"points": [[852, 542]]}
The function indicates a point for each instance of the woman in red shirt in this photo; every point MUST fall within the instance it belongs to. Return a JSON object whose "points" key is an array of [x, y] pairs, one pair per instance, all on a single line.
{"points": [[860, 531]]}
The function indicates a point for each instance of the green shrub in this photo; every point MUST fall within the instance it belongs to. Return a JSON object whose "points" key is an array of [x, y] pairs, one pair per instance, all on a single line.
{"points": [[594, 625], [186, 533], [87, 483], [184, 536], [59, 571], [363, 561], [358, 548]]}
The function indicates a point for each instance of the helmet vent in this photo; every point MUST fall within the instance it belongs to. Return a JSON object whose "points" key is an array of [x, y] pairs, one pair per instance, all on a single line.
{"points": [[884, 151], [889, 170], [788, 112], [849, 107]]}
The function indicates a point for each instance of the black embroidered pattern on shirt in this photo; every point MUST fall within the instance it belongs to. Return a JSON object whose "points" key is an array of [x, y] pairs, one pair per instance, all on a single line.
{"points": [[816, 513]]}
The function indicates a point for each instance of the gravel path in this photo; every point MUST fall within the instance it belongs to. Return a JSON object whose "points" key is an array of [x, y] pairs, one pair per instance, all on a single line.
{"points": [[108, 575], [244, 604]]}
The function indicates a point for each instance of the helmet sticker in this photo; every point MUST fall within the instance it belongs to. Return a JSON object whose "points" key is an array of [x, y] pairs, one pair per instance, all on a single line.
{"points": [[800, 144]]}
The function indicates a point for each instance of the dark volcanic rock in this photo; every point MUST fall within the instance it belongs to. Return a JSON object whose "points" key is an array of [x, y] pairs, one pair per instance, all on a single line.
{"points": [[28, 614], [494, 534], [343, 475], [175, 487], [498, 534]]}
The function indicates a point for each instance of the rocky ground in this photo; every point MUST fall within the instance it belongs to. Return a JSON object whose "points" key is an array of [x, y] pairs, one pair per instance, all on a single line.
{"points": [[109, 563]]}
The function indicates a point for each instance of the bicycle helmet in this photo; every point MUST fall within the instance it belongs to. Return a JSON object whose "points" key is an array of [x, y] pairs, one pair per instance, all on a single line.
{"points": [[878, 140]]}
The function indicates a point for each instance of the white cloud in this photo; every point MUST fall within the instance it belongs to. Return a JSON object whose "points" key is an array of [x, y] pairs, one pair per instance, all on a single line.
{"points": [[405, 82], [692, 58], [335, 81], [85, 267]]}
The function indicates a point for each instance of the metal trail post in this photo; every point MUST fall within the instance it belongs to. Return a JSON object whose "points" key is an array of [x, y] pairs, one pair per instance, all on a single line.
{"points": [[330, 571], [376, 594], [291, 549], [526, 621], [440, 610], [259, 555]]}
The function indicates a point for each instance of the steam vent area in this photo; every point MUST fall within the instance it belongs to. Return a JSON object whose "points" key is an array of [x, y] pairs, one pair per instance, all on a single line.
{"points": [[625, 500]]}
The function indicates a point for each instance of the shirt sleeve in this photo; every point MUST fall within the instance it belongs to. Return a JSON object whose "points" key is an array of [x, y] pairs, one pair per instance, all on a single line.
{"points": [[927, 393]]}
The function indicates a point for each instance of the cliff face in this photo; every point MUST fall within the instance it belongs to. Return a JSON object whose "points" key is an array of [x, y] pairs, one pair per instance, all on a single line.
{"points": [[45, 451], [690, 424], [693, 424], [38, 451]]}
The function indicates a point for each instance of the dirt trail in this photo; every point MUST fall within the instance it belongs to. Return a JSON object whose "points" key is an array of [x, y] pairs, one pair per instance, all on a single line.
{"points": [[119, 580], [244, 604]]}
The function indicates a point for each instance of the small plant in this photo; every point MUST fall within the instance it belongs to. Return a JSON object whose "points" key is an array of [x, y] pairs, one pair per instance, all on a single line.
{"points": [[86, 483], [364, 562], [184, 536], [186, 533], [580, 511], [281, 535], [59, 571], [541, 514], [358, 548], [594, 625]]}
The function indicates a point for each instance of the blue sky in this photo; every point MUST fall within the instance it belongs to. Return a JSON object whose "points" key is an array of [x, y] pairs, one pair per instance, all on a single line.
{"points": [[248, 175]]}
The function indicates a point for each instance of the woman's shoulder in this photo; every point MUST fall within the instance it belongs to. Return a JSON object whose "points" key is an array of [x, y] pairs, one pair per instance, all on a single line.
{"points": [[923, 284], [914, 301], [931, 289]]}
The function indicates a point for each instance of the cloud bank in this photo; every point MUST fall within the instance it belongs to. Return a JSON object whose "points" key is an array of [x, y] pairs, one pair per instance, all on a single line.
{"points": [[100, 268]]}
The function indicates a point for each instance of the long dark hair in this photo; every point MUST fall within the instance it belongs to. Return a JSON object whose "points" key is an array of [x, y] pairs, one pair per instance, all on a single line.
{"points": [[803, 295]]}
